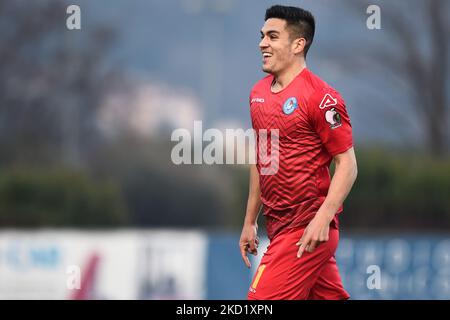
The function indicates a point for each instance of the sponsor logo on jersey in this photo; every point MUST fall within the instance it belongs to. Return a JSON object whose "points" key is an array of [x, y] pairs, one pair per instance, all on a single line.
{"points": [[333, 118], [259, 100], [327, 101], [290, 105]]}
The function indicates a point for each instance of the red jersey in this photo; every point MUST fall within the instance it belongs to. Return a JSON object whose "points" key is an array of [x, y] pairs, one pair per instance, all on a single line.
{"points": [[313, 126]]}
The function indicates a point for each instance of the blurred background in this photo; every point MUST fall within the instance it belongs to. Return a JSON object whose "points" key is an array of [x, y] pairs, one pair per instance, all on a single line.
{"points": [[86, 116]]}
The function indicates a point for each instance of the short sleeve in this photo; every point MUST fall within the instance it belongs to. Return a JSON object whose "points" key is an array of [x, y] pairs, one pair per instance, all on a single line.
{"points": [[329, 118]]}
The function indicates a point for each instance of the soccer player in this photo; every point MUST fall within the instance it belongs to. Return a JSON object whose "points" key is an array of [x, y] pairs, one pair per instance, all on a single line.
{"points": [[300, 201]]}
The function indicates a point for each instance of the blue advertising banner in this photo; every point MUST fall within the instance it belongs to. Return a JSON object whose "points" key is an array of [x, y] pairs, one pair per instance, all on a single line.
{"points": [[372, 267]]}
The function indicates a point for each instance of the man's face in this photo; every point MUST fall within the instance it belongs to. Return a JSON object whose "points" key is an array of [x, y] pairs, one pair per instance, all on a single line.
{"points": [[276, 46]]}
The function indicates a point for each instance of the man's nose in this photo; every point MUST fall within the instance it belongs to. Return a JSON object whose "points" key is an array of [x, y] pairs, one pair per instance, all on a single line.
{"points": [[263, 43]]}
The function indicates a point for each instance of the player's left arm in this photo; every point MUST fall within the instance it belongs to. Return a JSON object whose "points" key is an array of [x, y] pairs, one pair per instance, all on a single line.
{"points": [[344, 176], [333, 126]]}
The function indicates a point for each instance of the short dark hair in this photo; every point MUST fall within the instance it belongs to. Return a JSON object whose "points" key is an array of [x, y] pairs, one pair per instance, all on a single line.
{"points": [[300, 22]]}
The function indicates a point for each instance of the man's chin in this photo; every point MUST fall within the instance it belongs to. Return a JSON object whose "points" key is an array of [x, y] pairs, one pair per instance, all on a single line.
{"points": [[266, 69]]}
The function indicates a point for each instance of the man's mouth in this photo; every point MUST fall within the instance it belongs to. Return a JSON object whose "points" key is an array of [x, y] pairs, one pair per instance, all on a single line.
{"points": [[266, 56]]}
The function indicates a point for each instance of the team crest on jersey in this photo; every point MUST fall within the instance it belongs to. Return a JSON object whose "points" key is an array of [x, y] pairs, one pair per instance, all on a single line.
{"points": [[290, 105], [333, 118]]}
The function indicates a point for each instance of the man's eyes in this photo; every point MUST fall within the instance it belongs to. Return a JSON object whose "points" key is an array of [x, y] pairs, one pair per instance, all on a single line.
{"points": [[271, 37]]}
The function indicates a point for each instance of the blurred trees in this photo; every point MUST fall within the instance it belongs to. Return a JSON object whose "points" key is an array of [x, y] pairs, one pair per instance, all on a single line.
{"points": [[421, 61], [51, 82], [399, 192], [58, 198], [159, 193], [427, 72]]}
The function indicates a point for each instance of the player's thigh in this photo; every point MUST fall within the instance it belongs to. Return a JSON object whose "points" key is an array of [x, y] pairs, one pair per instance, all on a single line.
{"points": [[329, 284], [281, 275]]}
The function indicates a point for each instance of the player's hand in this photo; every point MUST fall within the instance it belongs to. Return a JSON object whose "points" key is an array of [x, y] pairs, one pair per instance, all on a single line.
{"points": [[315, 233], [249, 242]]}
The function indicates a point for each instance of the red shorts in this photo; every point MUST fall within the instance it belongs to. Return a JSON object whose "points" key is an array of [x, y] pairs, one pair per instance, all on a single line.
{"points": [[282, 276]]}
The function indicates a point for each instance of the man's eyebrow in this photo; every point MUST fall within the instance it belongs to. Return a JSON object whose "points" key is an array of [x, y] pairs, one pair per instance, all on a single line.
{"points": [[270, 31]]}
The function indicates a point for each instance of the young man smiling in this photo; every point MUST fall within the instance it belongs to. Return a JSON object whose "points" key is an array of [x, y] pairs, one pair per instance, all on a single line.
{"points": [[300, 202]]}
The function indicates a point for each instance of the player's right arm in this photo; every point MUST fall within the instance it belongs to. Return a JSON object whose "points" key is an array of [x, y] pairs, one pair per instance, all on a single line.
{"points": [[249, 240]]}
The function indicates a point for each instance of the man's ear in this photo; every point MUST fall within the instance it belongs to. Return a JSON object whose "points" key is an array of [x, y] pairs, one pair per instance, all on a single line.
{"points": [[299, 45]]}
